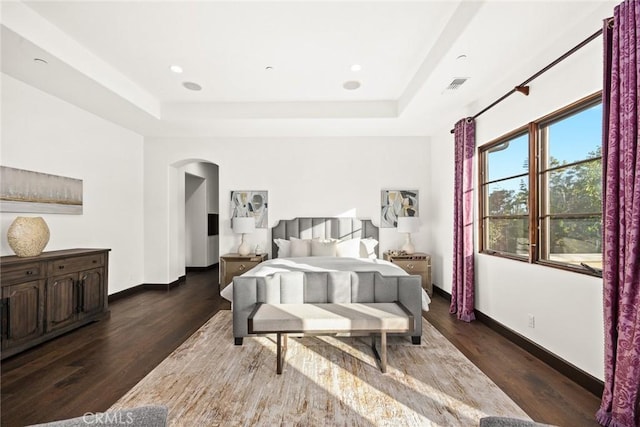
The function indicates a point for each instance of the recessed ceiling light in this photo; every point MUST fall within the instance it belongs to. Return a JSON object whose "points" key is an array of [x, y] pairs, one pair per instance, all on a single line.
{"points": [[40, 61], [351, 85], [268, 68], [356, 67], [176, 69], [192, 86]]}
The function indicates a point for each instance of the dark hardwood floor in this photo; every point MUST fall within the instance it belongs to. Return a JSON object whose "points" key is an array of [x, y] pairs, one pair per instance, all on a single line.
{"points": [[89, 369], [544, 394]]}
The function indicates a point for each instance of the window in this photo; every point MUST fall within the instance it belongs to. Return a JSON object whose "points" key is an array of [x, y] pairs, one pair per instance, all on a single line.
{"points": [[541, 190], [507, 194]]}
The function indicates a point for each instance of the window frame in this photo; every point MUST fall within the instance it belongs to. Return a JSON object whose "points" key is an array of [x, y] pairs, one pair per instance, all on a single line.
{"points": [[523, 130], [537, 182]]}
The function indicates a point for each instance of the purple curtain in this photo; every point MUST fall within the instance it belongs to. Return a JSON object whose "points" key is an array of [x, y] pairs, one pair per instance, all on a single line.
{"points": [[621, 220], [462, 289]]}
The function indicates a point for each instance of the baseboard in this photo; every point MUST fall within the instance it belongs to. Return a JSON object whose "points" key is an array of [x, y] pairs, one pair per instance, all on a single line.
{"points": [[146, 286], [194, 269], [125, 293], [575, 374], [165, 286], [442, 292]]}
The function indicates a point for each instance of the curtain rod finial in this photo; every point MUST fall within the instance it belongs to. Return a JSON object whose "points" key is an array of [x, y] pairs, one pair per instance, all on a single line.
{"points": [[523, 90]]}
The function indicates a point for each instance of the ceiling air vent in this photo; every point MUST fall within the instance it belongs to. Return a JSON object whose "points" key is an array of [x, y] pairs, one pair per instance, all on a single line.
{"points": [[456, 83]]}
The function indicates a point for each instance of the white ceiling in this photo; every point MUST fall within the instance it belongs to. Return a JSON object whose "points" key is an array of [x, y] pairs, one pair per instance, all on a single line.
{"points": [[113, 57]]}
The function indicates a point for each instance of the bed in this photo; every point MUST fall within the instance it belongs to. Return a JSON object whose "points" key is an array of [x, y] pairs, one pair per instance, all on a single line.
{"points": [[321, 245]]}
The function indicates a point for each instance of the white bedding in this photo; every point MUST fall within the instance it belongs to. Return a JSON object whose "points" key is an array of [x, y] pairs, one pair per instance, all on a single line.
{"points": [[318, 263]]}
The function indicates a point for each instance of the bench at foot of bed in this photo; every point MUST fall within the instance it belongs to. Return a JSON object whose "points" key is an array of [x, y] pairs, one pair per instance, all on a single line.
{"points": [[325, 287], [376, 319]]}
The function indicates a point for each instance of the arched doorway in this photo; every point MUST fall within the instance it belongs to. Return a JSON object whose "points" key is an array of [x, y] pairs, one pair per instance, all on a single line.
{"points": [[194, 232]]}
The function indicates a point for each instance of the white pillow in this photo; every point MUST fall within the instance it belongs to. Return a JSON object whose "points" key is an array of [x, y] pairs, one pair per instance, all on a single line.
{"points": [[323, 247], [349, 248], [284, 247], [300, 247], [368, 248]]}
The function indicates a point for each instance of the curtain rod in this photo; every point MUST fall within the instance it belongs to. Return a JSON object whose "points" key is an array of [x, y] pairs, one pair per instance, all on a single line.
{"points": [[524, 89]]}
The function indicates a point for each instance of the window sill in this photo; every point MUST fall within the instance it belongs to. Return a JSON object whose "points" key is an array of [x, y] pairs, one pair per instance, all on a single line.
{"points": [[521, 258], [571, 267], [566, 267]]}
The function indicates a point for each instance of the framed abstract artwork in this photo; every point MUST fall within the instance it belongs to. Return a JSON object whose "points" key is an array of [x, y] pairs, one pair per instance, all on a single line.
{"points": [[27, 191], [397, 203], [251, 203]]}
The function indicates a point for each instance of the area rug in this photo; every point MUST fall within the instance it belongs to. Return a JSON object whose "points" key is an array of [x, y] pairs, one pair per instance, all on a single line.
{"points": [[208, 381]]}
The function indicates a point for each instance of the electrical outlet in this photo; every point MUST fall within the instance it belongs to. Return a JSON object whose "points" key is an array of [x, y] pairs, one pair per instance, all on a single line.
{"points": [[532, 321]]}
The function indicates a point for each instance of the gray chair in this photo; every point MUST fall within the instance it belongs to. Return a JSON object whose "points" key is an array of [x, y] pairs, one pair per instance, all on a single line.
{"points": [[143, 416]]}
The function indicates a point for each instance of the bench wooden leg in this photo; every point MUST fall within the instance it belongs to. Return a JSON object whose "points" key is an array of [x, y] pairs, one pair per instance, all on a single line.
{"points": [[383, 350], [382, 356], [281, 350]]}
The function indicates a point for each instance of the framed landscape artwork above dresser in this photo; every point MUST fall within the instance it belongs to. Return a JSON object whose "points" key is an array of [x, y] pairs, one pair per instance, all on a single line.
{"points": [[27, 191]]}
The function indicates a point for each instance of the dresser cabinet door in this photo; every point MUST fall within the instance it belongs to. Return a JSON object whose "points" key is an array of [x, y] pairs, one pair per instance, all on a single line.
{"points": [[61, 301], [91, 288], [22, 313]]}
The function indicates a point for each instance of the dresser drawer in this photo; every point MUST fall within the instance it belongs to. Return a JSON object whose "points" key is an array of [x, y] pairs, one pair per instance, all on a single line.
{"points": [[22, 273], [70, 265], [232, 265], [411, 266], [236, 268]]}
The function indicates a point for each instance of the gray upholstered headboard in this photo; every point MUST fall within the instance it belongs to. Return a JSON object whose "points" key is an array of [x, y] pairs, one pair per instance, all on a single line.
{"points": [[323, 228]]}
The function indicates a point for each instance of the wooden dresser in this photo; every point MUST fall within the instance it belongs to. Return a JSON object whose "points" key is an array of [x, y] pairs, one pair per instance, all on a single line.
{"points": [[50, 294], [232, 265], [416, 263]]}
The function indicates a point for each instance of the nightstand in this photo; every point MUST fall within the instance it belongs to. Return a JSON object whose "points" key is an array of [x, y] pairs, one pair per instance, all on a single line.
{"points": [[232, 265], [416, 263]]}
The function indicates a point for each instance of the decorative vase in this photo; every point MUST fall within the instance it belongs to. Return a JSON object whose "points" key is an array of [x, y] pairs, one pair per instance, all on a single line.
{"points": [[28, 236]]}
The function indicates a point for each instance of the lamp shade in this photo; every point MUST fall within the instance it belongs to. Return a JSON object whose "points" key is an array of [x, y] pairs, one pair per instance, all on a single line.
{"points": [[243, 225], [408, 224]]}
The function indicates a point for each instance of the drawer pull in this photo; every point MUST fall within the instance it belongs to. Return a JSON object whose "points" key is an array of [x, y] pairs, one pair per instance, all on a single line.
{"points": [[410, 266], [241, 267], [29, 272], [95, 261], [61, 267]]}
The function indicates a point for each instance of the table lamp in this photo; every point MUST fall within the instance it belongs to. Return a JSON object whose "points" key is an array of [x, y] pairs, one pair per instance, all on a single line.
{"points": [[243, 225], [408, 224]]}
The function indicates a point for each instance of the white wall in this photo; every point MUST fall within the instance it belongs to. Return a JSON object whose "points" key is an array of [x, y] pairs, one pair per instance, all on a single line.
{"points": [[44, 134], [304, 177], [567, 306]]}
